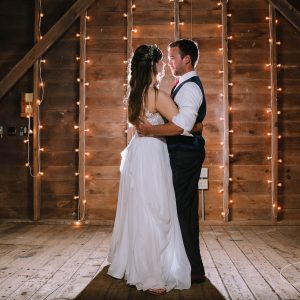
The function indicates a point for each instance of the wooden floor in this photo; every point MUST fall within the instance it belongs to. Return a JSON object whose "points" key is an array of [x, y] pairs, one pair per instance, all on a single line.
{"points": [[60, 261]]}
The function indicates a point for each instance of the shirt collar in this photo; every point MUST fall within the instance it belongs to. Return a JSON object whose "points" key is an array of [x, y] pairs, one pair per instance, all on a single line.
{"points": [[187, 76]]}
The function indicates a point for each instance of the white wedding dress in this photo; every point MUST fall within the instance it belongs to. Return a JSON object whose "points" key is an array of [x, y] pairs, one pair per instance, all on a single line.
{"points": [[147, 247]]}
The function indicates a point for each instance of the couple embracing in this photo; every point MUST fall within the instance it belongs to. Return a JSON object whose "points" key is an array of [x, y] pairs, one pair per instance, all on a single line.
{"points": [[155, 241]]}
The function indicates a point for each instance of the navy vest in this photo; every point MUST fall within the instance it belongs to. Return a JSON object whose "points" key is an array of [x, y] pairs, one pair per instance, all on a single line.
{"points": [[188, 143]]}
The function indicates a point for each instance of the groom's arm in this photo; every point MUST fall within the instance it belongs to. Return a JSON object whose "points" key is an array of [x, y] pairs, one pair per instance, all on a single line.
{"points": [[145, 128]]}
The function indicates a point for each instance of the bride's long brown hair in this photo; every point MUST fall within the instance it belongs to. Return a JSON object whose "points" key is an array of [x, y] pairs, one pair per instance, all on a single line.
{"points": [[142, 69]]}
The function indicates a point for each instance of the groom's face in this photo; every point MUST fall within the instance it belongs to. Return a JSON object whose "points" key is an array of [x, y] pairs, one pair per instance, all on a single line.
{"points": [[176, 63]]}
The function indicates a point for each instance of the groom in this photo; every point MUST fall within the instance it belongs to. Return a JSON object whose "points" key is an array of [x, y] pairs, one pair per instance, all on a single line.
{"points": [[186, 150]]}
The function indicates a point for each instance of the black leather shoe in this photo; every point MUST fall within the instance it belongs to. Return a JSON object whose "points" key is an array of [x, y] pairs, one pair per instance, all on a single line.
{"points": [[197, 278]]}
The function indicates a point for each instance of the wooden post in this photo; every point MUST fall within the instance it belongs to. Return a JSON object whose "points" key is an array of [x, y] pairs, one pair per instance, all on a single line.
{"points": [[82, 104], [225, 112], [43, 45], [130, 130], [176, 20], [36, 122], [274, 116]]}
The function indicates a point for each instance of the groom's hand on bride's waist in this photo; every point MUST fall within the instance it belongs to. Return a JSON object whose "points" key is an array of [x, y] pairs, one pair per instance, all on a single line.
{"points": [[143, 127]]}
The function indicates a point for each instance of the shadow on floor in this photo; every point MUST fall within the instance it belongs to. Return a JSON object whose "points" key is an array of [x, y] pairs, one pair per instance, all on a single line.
{"points": [[105, 287]]}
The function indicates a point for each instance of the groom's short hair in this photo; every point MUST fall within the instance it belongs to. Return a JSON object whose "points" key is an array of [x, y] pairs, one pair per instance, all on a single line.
{"points": [[187, 47]]}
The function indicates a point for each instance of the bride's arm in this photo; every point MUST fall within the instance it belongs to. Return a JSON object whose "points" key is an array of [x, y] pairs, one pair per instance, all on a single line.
{"points": [[166, 106]]}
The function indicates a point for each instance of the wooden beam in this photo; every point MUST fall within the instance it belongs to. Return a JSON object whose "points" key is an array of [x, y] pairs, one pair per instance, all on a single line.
{"points": [[225, 114], [36, 123], [43, 45], [176, 20], [274, 115], [82, 103], [288, 11]]}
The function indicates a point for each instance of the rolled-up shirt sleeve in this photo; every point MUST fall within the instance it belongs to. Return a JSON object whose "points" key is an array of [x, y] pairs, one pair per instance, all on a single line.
{"points": [[189, 99]]}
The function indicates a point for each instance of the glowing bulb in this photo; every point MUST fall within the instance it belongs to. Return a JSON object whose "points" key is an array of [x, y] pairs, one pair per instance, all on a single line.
{"points": [[278, 65], [229, 15], [38, 102], [220, 49], [279, 208], [87, 84], [134, 30], [77, 34], [230, 61], [278, 43], [76, 197], [125, 15], [42, 149], [280, 160], [279, 184], [269, 134], [76, 126], [88, 17], [220, 25], [230, 179], [231, 131], [278, 112], [76, 174], [133, 6], [231, 155], [221, 191], [279, 89], [77, 57], [269, 181], [87, 61], [124, 38], [268, 65], [41, 173], [26, 141], [269, 157], [87, 37], [267, 18], [231, 201], [43, 61], [77, 150], [41, 126], [87, 176], [221, 167], [274, 205], [270, 40], [87, 130], [230, 83], [27, 164], [41, 15], [230, 37], [84, 201], [87, 153]]}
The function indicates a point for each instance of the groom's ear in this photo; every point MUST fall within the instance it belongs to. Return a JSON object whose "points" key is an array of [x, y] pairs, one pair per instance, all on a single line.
{"points": [[187, 60]]}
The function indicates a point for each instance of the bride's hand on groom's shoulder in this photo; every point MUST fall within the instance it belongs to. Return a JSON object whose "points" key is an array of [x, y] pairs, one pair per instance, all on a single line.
{"points": [[143, 127]]}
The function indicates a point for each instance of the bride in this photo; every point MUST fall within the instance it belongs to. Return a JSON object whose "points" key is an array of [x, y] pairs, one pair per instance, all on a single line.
{"points": [[147, 248]]}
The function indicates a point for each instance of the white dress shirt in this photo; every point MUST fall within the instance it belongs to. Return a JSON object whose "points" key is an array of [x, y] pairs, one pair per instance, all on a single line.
{"points": [[189, 99]]}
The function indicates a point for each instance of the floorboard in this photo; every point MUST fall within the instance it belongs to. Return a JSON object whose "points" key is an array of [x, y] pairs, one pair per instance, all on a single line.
{"points": [[57, 262]]}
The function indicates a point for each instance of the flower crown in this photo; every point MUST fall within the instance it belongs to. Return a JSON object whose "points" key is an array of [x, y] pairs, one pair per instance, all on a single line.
{"points": [[150, 54]]}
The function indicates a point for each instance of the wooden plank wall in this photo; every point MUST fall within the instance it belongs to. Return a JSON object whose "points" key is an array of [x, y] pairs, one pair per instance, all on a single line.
{"points": [[16, 39], [288, 120], [59, 114], [249, 98], [105, 116]]}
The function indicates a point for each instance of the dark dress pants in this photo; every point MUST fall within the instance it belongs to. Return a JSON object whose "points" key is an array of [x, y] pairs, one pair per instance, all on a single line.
{"points": [[186, 167]]}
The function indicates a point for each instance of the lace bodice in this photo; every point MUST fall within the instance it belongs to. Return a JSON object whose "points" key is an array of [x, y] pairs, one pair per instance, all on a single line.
{"points": [[154, 118]]}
